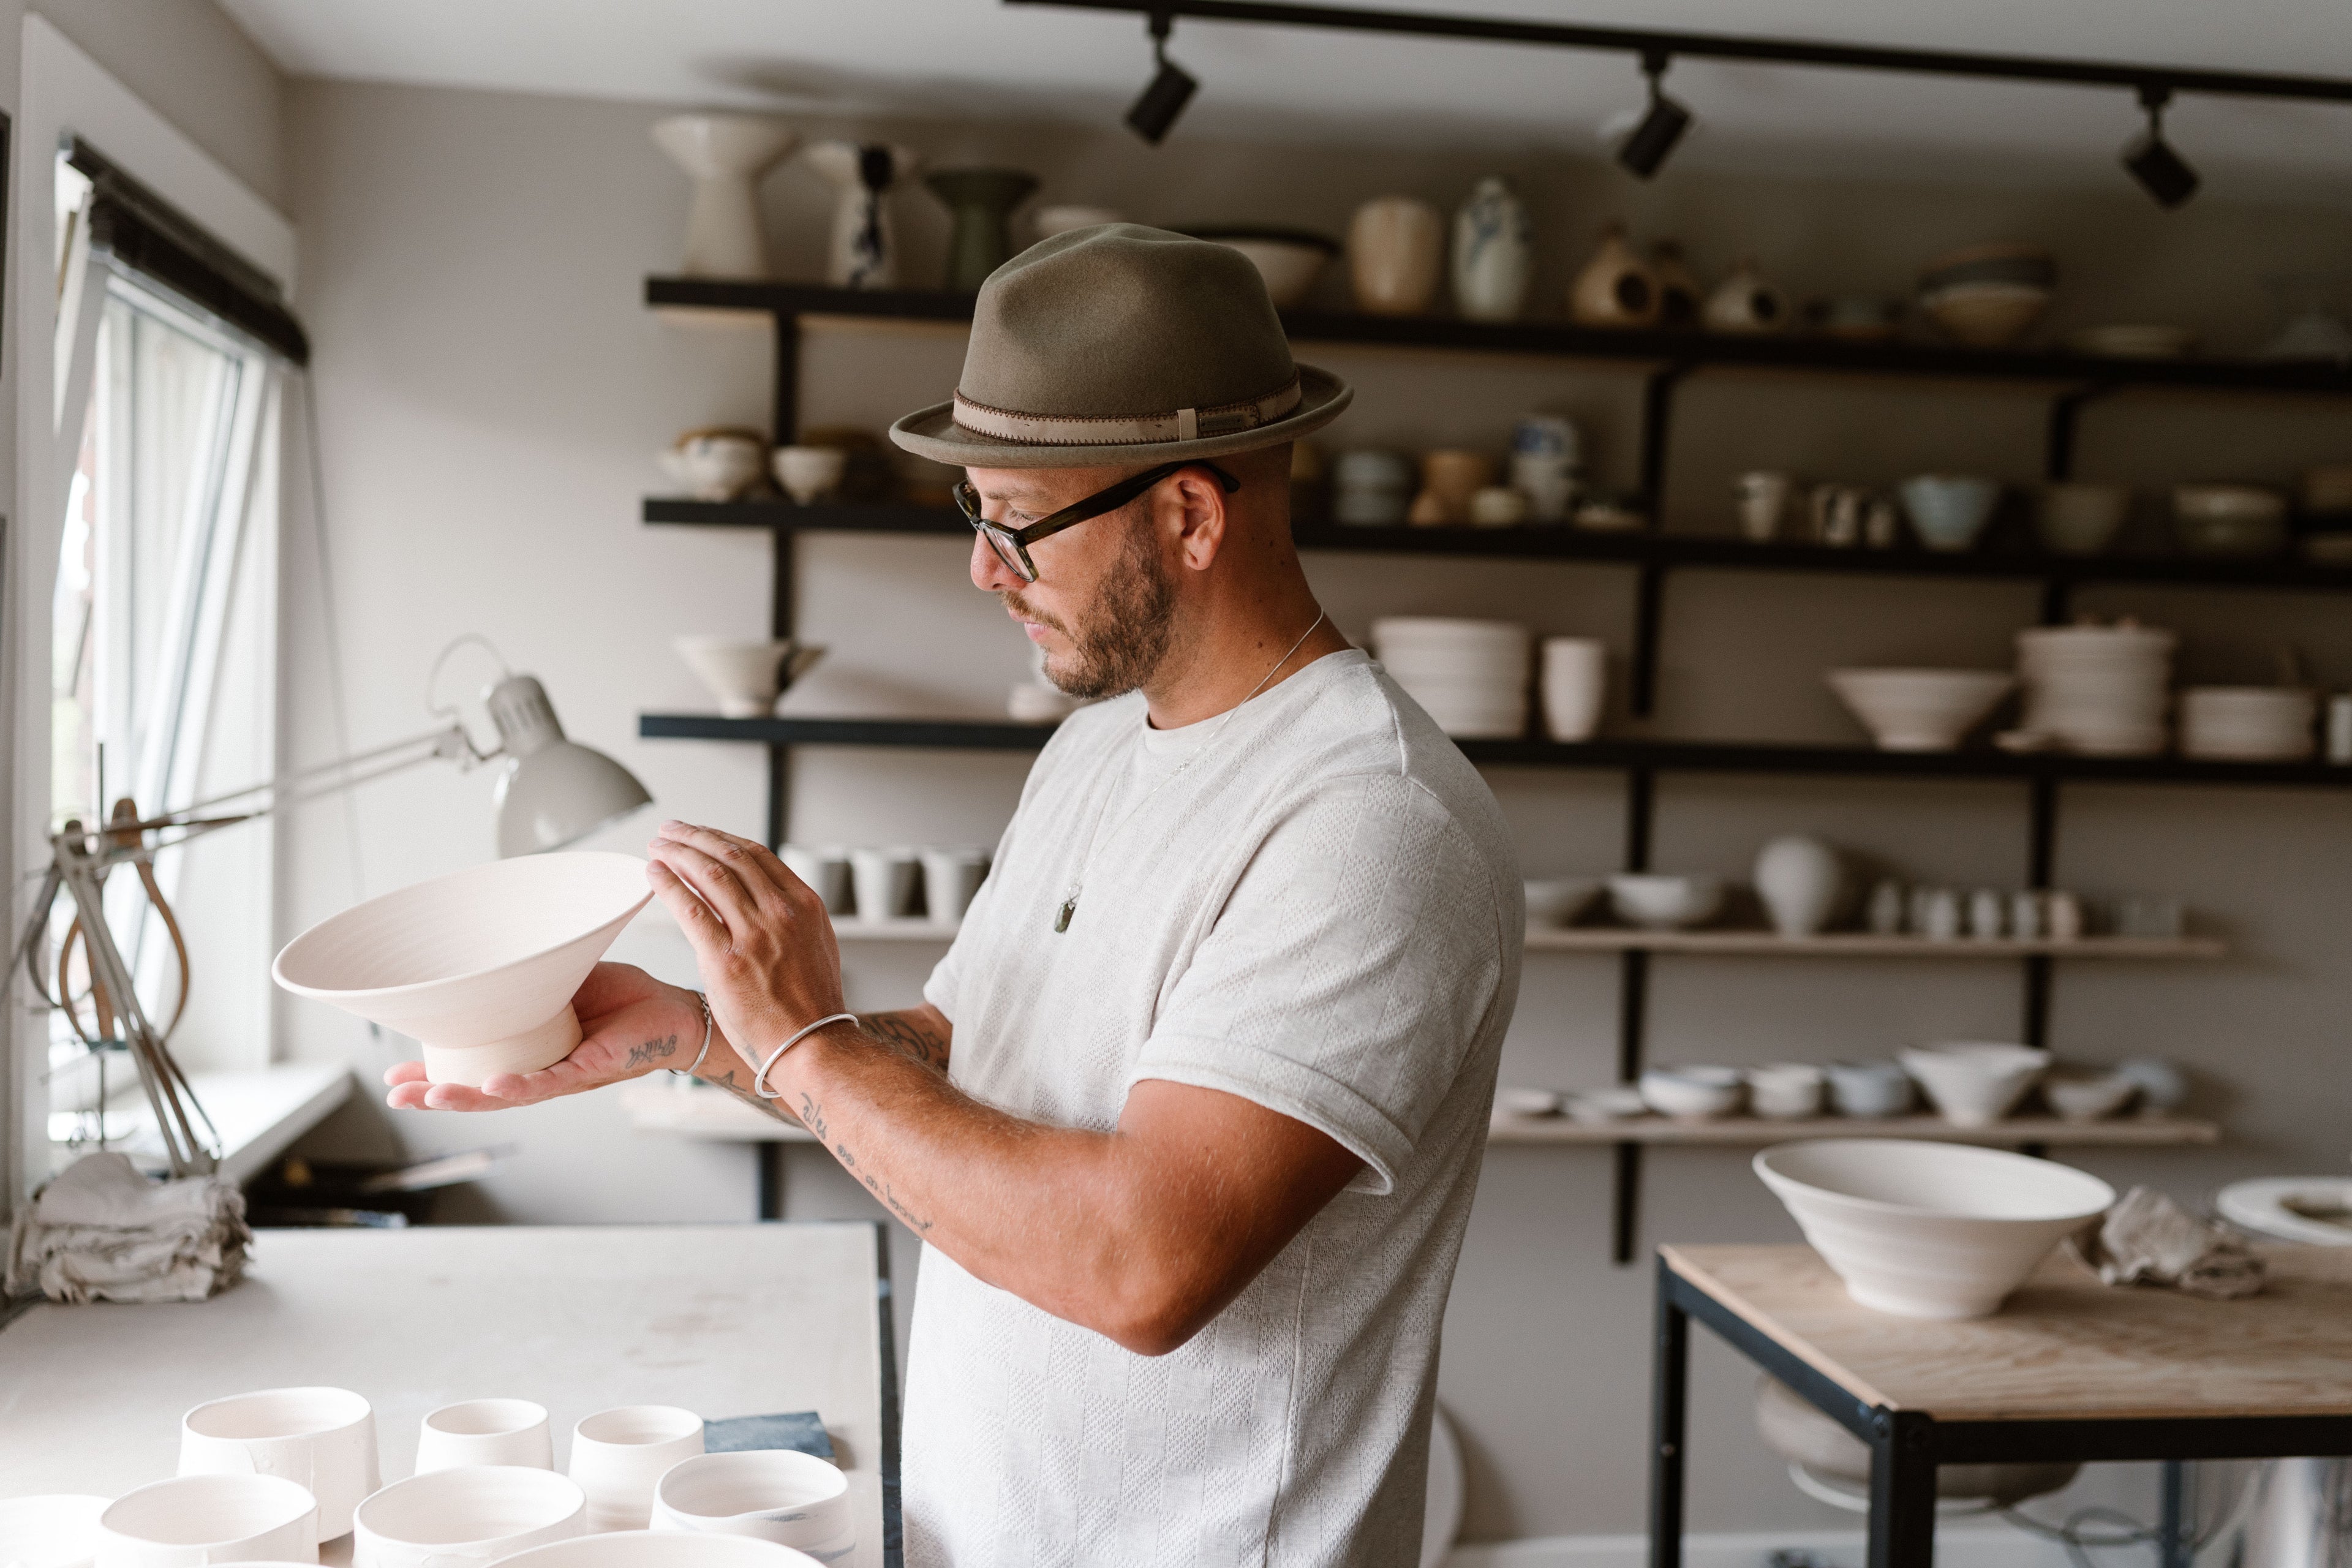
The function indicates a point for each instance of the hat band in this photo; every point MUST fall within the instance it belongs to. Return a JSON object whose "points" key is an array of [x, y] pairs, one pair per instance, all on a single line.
{"points": [[1128, 430]]}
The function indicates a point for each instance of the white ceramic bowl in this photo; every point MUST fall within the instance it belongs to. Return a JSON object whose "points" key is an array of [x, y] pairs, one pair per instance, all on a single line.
{"points": [[194, 1519], [1557, 900], [2088, 1096], [660, 1549], [1929, 1230], [479, 966], [321, 1439], [485, 1432], [1693, 1093], [1620, 1103], [1783, 1091], [2248, 723], [1512, 1101], [775, 1494], [809, 474], [57, 1530], [1920, 710], [475, 1515], [1663, 902], [1053, 220], [1870, 1088], [1975, 1083], [1289, 260], [747, 676], [618, 1455], [2315, 1210]]}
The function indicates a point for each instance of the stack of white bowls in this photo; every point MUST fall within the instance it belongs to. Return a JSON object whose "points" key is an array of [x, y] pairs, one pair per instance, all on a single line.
{"points": [[2248, 723], [2102, 691], [1469, 676]]}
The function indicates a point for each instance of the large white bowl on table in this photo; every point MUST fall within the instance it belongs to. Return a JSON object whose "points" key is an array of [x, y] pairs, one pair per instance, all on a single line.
{"points": [[469, 1517], [479, 966], [322, 1439], [1975, 1083], [192, 1520], [793, 1499], [1929, 1230], [660, 1549], [1919, 710]]}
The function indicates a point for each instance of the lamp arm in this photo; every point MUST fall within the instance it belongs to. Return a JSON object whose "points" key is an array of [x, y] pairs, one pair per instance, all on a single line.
{"points": [[449, 742]]}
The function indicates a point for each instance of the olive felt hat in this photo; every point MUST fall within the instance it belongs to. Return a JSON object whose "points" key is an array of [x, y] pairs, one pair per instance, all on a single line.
{"points": [[1122, 344]]}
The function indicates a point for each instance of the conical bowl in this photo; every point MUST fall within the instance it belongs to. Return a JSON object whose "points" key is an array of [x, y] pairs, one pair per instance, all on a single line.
{"points": [[479, 966]]}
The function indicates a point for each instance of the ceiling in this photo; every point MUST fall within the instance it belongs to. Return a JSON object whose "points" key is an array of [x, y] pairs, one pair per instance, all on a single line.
{"points": [[979, 59]]}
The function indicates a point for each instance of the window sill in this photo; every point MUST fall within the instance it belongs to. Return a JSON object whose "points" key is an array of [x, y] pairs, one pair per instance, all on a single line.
{"points": [[257, 1114]]}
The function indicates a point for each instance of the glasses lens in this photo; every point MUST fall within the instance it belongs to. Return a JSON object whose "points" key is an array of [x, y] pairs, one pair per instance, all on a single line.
{"points": [[1009, 551]]}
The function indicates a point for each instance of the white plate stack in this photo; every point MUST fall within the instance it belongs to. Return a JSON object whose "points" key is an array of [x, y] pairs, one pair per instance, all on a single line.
{"points": [[2247, 723], [1469, 676], [2102, 691]]}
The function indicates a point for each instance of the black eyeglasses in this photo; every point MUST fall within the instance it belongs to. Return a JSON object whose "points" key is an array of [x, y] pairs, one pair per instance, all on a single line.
{"points": [[1012, 544]]}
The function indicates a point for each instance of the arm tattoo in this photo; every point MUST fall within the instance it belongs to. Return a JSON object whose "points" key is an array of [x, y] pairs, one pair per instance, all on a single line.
{"points": [[728, 1080], [908, 1034], [651, 1051], [812, 1117]]}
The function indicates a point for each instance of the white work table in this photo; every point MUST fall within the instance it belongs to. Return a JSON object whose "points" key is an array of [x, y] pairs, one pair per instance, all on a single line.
{"points": [[724, 1319]]}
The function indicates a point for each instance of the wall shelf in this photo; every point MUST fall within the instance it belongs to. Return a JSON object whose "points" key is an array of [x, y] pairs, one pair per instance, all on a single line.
{"points": [[1865, 944], [2016, 1133]]}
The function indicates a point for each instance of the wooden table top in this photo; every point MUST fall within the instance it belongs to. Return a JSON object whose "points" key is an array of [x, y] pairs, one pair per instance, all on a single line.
{"points": [[2065, 1347]]}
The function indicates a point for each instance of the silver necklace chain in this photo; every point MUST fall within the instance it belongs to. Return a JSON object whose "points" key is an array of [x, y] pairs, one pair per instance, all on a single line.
{"points": [[1069, 905]]}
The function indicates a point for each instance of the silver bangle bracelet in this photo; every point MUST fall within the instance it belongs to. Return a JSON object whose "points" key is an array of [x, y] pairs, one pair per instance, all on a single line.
{"points": [[760, 1079], [690, 1071]]}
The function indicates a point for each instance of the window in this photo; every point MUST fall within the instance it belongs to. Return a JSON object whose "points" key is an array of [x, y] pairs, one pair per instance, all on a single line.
{"points": [[162, 647]]}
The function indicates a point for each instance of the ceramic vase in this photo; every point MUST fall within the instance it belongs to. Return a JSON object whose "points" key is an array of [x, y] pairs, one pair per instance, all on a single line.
{"points": [[1494, 253], [1395, 255], [1679, 296], [1745, 302], [981, 201], [1800, 881], [1616, 288], [864, 253], [726, 154]]}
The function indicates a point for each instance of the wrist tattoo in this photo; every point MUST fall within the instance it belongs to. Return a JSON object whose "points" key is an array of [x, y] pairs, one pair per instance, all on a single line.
{"points": [[651, 1051]]}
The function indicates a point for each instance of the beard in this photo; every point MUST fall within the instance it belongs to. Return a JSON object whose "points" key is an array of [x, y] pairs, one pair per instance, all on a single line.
{"points": [[1124, 635]]}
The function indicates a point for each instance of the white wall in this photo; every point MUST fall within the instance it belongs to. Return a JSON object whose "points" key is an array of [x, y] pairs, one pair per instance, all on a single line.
{"points": [[492, 390]]}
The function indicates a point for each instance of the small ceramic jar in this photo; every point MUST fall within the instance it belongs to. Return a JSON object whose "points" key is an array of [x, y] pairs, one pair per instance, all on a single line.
{"points": [[1745, 303], [1499, 506], [1494, 253], [1886, 914], [1988, 914], [2025, 915], [1454, 475], [1396, 250], [1616, 288], [1762, 498]]}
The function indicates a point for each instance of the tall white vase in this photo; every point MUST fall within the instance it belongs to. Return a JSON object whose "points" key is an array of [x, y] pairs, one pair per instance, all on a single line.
{"points": [[725, 154], [1494, 253], [864, 253], [1802, 881]]}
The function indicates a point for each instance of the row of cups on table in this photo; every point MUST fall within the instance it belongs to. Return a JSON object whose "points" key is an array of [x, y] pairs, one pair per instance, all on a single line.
{"points": [[265, 1478], [888, 882], [1471, 676], [1970, 1083]]}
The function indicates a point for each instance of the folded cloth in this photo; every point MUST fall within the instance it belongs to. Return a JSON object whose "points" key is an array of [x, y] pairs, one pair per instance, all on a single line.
{"points": [[799, 1430], [2148, 1239], [101, 1229]]}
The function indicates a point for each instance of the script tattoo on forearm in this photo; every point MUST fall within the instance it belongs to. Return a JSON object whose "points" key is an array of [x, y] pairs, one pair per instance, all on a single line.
{"points": [[812, 1117], [906, 1034], [651, 1051], [732, 1082]]}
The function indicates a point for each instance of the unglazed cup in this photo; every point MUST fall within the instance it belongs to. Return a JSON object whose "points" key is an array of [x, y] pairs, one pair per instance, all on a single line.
{"points": [[485, 1432], [466, 1518], [793, 1499], [618, 1455], [192, 1521], [319, 1438]]}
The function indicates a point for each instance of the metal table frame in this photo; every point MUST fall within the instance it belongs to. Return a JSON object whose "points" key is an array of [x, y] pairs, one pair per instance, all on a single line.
{"points": [[1906, 1445]]}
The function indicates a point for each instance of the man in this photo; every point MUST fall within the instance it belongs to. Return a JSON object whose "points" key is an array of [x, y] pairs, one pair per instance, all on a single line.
{"points": [[1191, 1114]]}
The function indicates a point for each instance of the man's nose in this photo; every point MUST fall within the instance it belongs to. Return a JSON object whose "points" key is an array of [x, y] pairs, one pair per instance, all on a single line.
{"points": [[990, 575]]}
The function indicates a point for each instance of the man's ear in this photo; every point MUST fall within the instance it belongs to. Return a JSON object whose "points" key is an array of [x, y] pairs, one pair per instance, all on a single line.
{"points": [[1195, 511]]}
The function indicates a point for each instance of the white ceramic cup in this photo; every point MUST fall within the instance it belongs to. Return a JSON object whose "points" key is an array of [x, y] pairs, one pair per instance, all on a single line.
{"points": [[466, 1518], [485, 1432], [190, 1520], [824, 869], [617, 1456], [951, 877], [776, 1494], [1549, 481], [1763, 499], [57, 1529], [885, 879], [1575, 680], [809, 474], [323, 1439]]}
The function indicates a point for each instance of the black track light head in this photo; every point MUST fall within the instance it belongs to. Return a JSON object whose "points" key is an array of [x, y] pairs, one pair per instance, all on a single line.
{"points": [[1645, 150], [2162, 172], [1156, 109]]}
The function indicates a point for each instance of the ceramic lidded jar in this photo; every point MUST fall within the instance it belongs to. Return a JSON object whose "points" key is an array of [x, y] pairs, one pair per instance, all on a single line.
{"points": [[1494, 253], [1396, 254], [863, 253], [1802, 881], [1745, 302], [1616, 288]]}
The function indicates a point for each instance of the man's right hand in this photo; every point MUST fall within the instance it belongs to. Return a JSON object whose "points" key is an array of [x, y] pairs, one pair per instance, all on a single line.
{"points": [[630, 1024]]}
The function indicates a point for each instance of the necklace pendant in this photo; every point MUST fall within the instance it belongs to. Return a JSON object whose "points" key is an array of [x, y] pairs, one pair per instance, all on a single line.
{"points": [[1069, 908]]}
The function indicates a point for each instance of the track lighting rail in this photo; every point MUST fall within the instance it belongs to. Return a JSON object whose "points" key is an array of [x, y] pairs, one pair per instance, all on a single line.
{"points": [[1648, 44]]}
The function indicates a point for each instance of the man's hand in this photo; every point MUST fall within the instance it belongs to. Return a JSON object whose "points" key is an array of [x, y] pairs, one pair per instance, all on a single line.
{"points": [[761, 939], [630, 1024]]}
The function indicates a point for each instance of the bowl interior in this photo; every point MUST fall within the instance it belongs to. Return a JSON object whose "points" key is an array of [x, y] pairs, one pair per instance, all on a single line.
{"points": [[486, 1417], [1938, 1180], [278, 1412], [771, 1482], [205, 1511], [630, 1425], [480, 1502]]}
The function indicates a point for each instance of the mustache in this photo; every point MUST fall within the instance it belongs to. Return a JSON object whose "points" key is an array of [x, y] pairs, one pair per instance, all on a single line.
{"points": [[1015, 604]]}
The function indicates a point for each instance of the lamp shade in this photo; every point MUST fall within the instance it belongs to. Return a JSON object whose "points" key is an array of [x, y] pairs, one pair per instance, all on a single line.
{"points": [[551, 790]]}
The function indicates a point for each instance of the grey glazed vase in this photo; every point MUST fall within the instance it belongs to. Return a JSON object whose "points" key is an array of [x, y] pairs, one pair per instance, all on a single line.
{"points": [[981, 201]]}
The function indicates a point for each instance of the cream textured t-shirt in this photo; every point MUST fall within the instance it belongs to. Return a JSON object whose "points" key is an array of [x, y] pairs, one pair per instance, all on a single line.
{"points": [[1318, 911]]}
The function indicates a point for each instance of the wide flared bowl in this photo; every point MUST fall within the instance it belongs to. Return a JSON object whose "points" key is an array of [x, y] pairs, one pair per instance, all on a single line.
{"points": [[1919, 710], [1929, 1230]]}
